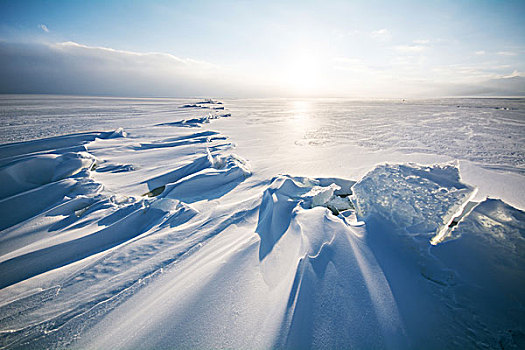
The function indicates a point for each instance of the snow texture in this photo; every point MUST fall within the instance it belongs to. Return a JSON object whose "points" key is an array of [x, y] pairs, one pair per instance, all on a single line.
{"points": [[160, 235]]}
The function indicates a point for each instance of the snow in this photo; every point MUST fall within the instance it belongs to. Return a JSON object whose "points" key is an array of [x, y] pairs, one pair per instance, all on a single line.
{"points": [[262, 224], [486, 251], [39, 170]]}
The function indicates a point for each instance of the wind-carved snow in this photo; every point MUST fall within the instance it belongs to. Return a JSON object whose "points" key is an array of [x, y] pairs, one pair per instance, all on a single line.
{"points": [[63, 216], [38, 170], [487, 251], [335, 274], [161, 236]]}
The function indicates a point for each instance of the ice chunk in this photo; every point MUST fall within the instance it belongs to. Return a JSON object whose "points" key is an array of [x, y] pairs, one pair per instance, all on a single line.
{"points": [[421, 200], [327, 196], [321, 195], [344, 184], [119, 132], [339, 203]]}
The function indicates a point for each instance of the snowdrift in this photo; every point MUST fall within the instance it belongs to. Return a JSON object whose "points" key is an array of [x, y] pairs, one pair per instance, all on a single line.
{"points": [[162, 237]]}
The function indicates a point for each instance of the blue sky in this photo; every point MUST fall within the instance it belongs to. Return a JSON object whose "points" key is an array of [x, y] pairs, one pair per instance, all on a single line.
{"points": [[260, 48]]}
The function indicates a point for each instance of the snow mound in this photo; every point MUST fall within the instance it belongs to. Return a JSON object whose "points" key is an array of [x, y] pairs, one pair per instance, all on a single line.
{"points": [[222, 174], [12, 152], [38, 170], [174, 142], [334, 274], [487, 252], [419, 200], [285, 197], [488, 245], [276, 211]]}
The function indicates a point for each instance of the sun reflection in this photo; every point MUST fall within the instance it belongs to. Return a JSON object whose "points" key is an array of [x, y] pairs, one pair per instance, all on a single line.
{"points": [[301, 106], [301, 119]]}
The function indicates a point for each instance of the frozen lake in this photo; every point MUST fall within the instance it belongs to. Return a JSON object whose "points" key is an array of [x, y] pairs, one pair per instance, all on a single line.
{"points": [[269, 223], [490, 132]]}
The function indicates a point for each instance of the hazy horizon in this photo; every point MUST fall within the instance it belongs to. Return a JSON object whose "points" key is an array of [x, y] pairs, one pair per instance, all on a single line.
{"points": [[213, 97]]}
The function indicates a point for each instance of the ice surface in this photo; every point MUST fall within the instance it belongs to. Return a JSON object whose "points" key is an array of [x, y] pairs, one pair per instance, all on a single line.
{"points": [[165, 236], [486, 131]]}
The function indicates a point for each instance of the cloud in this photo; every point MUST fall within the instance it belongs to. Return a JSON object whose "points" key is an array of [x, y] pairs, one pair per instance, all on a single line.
{"points": [[44, 28], [506, 53], [514, 74], [72, 68], [381, 34], [421, 42], [479, 53]]}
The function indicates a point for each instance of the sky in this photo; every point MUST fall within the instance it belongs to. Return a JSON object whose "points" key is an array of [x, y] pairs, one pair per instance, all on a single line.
{"points": [[263, 48]]}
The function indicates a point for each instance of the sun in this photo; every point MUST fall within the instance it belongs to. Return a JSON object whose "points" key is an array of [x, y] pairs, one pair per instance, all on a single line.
{"points": [[302, 74]]}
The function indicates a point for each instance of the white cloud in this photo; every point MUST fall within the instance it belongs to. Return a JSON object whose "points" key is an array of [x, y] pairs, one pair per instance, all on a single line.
{"points": [[506, 53], [474, 74], [421, 42], [480, 53], [164, 59], [381, 34], [515, 74], [44, 28]]}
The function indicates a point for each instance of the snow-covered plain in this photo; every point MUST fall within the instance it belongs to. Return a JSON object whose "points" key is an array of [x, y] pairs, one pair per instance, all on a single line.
{"points": [[262, 223]]}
